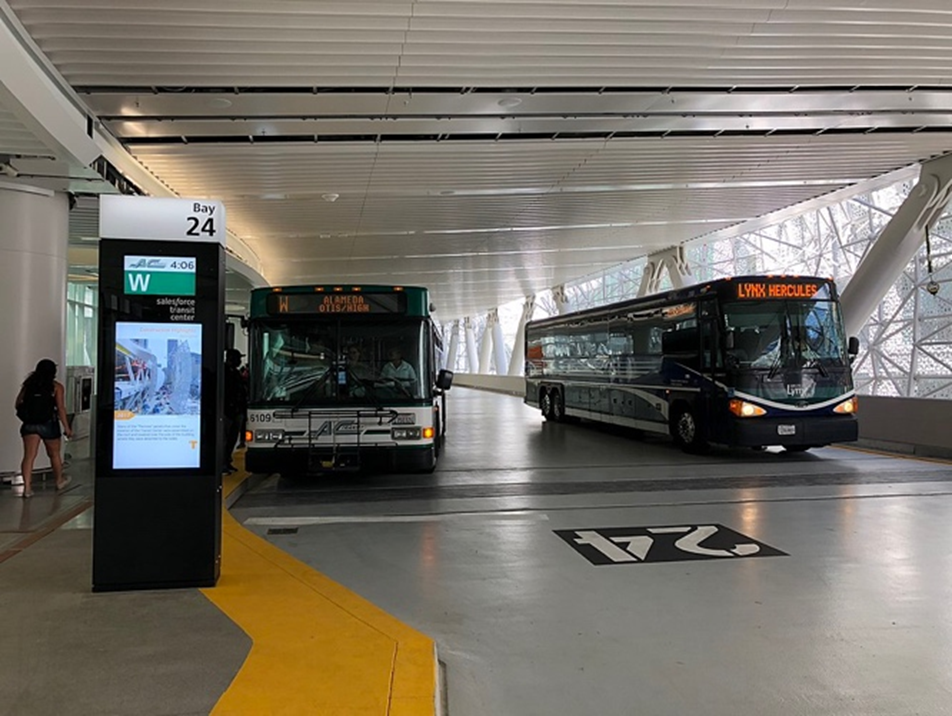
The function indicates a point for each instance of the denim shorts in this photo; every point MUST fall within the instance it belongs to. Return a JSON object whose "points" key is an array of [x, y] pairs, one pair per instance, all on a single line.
{"points": [[47, 431]]}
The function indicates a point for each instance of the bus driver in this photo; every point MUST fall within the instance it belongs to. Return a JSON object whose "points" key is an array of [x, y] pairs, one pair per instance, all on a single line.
{"points": [[398, 370]]}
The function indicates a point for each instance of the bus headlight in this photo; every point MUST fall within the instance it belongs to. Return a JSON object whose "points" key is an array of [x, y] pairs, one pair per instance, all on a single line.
{"points": [[407, 433], [847, 407], [743, 409]]}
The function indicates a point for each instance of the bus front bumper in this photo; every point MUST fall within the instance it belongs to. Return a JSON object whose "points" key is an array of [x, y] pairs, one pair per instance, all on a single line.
{"points": [[806, 431], [319, 460]]}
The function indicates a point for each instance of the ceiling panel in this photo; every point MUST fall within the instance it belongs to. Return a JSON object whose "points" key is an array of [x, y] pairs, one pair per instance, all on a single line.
{"points": [[493, 149], [478, 43]]}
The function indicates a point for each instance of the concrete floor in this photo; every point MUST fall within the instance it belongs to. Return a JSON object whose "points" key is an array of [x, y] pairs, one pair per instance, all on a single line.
{"points": [[855, 617], [69, 652]]}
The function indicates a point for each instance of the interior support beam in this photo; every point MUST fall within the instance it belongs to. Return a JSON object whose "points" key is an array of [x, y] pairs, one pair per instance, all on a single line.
{"points": [[897, 244], [518, 358], [454, 347], [674, 261], [38, 104], [472, 357], [485, 345], [561, 299], [499, 345]]}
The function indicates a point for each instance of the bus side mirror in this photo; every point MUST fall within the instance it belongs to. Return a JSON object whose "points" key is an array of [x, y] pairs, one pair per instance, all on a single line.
{"points": [[853, 346], [444, 380]]}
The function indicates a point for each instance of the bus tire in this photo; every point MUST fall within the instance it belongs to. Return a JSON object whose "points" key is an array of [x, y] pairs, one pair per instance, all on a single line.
{"points": [[686, 430], [545, 403], [558, 406]]}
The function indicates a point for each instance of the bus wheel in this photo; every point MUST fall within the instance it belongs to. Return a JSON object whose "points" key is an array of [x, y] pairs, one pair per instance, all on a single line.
{"points": [[558, 406], [686, 431], [545, 404]]}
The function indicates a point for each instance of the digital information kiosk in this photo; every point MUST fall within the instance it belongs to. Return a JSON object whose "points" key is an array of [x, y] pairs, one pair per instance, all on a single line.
{"points": [[158, 429]]}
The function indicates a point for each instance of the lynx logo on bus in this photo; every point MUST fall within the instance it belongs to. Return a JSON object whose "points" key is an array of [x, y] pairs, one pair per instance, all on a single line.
{"points": [[159, 275], [762, 290]]}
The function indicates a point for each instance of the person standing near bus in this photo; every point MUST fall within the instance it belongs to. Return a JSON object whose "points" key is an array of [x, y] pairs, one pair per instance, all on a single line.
{"points": [[236, 403], [41, 407]]}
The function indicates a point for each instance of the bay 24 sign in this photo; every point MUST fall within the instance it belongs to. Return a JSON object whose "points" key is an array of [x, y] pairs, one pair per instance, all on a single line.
{"points": [[633, 545]]}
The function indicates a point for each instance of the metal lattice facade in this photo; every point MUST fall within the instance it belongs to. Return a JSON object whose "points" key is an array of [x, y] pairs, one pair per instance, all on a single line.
{"points": [[906, 346], [907, 343]]}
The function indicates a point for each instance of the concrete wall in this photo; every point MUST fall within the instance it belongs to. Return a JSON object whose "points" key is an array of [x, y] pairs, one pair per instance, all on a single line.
{"points": [[908, 425], [512, 385]]}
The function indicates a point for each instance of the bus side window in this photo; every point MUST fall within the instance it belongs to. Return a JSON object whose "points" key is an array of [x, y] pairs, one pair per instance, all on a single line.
{"points": [[682, 345]]}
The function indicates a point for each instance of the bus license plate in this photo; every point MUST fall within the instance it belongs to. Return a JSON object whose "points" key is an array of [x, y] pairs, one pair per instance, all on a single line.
{"points": [[786, 430]]}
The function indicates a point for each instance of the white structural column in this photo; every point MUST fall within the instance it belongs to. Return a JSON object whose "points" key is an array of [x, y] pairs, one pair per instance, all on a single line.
{"points": [[561, 299], [897, 244], [34, 230], [675, 262], [499, 345], [485, 345], [517, 362], [454, 347], [472, 357]]}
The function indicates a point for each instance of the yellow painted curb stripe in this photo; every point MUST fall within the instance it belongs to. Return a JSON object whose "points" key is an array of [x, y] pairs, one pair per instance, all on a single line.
{"points": [[318, 648]]}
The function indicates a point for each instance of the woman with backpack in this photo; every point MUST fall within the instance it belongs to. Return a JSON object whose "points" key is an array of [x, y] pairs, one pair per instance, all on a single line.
{"points": [[41, 408]]}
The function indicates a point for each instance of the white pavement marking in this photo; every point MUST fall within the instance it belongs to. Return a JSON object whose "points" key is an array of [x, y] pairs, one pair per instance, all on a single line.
{"points": [[522, 516]]}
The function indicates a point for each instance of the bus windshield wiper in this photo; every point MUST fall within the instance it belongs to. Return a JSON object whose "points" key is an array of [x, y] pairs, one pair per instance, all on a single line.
{"points": [[318, 382], [367, 385]]}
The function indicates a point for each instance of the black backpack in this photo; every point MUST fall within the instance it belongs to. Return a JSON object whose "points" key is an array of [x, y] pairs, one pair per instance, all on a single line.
{"points": [[36, 408]]}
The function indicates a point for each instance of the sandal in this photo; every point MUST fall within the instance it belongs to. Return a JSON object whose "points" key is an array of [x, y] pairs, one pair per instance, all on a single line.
{"points": [[28, 494], [62, 486]]}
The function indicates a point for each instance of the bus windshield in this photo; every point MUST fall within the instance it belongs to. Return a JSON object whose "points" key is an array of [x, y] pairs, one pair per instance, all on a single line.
{"points": [[785, 335], [360, 362], [787, 351]]}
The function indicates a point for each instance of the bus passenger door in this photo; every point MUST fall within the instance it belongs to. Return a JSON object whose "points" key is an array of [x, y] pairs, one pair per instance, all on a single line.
{"points": [[712, 369]]}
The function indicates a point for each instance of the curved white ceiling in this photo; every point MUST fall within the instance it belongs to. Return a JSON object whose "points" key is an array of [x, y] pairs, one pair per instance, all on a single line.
{"points": [[493, 149]]}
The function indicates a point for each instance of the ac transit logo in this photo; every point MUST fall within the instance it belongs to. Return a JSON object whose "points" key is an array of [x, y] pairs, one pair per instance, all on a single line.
{"points": [[159, 275], [633, 545], [342, 427]]}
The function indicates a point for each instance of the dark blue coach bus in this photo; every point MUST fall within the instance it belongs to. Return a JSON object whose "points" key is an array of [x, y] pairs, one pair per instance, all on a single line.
{"points": [[746, 361]]}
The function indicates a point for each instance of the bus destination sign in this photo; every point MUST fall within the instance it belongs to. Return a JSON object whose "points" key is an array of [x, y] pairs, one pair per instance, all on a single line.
{"points": [[760, 290], [336, 303]]}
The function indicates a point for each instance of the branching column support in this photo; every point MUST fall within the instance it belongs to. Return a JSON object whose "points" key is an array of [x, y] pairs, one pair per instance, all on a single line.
{"points": [[454, 346], [499, 345], [675, 262], [561, 299], [472, 357], [897, 244], [485, 344], [517, 362]]}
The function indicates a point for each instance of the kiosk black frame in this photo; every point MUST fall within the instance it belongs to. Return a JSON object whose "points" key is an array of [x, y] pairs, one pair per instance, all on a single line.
{"points": [[159, 527]]}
